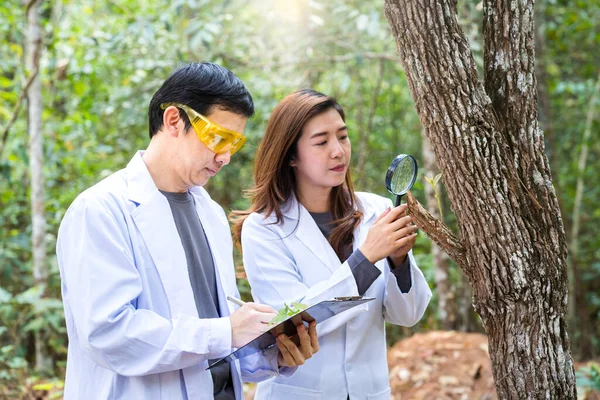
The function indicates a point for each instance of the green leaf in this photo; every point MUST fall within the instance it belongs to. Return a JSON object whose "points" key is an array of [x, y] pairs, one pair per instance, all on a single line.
{"points": [[17, 363], [5, 82], [5, 296], [30, 296], [6, 349], [44, 386], [34, 325], [287, 311]]}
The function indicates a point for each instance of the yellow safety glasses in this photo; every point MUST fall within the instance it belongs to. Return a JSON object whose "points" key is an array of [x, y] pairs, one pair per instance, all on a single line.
{"points": [[215, 137]]}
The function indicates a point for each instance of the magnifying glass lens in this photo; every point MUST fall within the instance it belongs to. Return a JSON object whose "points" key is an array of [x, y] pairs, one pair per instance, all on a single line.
{"points": [[403, 176]]}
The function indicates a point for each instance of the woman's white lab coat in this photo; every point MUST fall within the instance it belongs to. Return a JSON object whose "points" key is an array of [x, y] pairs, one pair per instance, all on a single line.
{"points": [[134, 332], [294, 262]]}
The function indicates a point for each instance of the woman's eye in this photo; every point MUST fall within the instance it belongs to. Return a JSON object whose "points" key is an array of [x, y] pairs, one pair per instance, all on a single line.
{"points": [[323, 143], [344, 137]]}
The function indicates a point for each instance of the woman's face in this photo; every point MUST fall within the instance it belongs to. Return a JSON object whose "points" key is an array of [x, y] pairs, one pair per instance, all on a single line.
{"points": [[323, 153]]}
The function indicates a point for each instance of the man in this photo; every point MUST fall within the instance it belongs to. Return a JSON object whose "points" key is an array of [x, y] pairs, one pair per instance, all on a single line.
{"points": [[146, 262]]}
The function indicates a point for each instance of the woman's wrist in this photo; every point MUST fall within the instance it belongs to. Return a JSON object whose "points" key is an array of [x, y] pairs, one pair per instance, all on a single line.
{"points": [[368, 255], [397, 261]]}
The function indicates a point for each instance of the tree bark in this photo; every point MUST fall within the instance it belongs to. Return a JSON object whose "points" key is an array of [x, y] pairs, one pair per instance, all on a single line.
{"points": [[490, 149], [36, 163], [445, 294]]}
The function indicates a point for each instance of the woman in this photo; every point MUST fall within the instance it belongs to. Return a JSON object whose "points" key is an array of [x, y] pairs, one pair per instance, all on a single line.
{"points": [[308, 236]]}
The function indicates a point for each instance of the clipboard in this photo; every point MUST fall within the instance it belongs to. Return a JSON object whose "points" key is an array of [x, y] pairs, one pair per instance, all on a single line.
{"points": [[319, 312]]}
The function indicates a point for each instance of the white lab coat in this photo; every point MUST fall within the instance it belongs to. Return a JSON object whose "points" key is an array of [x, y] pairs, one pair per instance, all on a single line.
{"points": [[294, 262], [134, 332]]}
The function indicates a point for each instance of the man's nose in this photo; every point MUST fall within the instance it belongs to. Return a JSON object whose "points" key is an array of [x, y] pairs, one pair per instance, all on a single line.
{"points": [[223, 158]]}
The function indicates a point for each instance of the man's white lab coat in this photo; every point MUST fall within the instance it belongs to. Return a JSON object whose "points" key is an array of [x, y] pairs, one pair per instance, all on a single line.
{"points": [[134, 332]]}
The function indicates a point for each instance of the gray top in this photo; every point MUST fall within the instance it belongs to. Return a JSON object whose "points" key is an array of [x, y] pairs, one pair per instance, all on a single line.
{"points": [[364, 272], [201, 270]]}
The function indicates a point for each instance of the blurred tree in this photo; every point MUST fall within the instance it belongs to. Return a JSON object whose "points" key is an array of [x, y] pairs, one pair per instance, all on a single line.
{"points": [[441, 262], [568, 40], [491, 151], [36, 162], [578, 315]]}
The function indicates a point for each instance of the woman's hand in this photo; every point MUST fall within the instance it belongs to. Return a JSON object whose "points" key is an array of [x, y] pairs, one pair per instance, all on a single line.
{"points": [[292, 355], [399, 256], [392, 234]]}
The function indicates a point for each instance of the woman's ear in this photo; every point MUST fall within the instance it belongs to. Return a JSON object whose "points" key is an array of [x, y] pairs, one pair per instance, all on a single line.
{"points": [[293, 161]]}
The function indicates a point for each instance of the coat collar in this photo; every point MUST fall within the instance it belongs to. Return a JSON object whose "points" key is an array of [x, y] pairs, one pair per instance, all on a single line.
{"points": [[154, 220], [292, 208], [140, 186], [307, 230]]}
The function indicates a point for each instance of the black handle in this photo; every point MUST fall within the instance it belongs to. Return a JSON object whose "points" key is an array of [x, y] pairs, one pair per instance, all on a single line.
{"points": [[398, 200]]}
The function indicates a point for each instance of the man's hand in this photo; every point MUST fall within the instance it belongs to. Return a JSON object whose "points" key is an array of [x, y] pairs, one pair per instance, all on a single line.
{"points": [[248, 322], [291, 355]]}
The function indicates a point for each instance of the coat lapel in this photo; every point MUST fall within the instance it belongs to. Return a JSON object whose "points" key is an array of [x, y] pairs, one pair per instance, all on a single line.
{"points": [[360, 234], [309, 234], [154, 220]]}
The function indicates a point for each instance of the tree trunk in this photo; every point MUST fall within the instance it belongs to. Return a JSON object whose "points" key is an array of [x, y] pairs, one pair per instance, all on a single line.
{"points": [[467, 322], [445, 294], [364, 133], [36, 160], [490, 149]]}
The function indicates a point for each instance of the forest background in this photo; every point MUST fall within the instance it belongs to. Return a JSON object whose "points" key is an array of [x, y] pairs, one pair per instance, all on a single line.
{"points": [[101, 61]]}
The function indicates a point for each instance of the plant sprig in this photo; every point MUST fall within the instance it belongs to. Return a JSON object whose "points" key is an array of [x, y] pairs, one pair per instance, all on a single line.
{"points": [[287, 311]]}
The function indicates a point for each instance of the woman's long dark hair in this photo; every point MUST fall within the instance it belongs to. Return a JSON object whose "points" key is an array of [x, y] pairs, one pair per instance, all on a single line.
{"points": [[274, 177]]}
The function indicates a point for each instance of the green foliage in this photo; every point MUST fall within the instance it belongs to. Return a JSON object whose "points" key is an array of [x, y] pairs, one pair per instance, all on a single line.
{"points": [[103, 61], [571, 59], [21, 315], [588, 379], [433, 182]]}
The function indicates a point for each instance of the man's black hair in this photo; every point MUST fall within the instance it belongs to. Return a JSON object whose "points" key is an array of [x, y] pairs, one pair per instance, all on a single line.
{"points": [[201, 86]]}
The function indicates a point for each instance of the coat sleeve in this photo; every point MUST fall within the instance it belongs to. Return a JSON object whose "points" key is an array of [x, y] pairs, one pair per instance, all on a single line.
{"points": [[399, 308], [258, 367], [405, 309], [275, 280], [100, 286]]}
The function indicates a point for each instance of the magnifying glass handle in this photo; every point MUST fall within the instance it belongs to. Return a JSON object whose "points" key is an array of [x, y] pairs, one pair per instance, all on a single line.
{"points": [[398, 200]]}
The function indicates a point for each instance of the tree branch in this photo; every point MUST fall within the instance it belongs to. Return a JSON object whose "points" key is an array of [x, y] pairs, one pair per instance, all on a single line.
{"points": [[30, 4], [36, 59], [17, 108], [437, 231]]}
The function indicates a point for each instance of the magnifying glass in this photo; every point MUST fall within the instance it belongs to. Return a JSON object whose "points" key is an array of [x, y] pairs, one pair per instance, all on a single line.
{"points": [[401, 176]]}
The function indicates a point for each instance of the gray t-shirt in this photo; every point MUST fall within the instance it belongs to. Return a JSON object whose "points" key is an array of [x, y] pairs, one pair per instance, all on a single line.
{"points": [[364, 272], [201, 270]]}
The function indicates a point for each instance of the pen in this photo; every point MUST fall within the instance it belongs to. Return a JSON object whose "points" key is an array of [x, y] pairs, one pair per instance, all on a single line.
{"points": [[236, 301]]}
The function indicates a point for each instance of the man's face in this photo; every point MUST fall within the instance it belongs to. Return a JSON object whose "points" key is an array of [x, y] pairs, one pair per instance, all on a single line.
{"points": [[195, 162]]}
